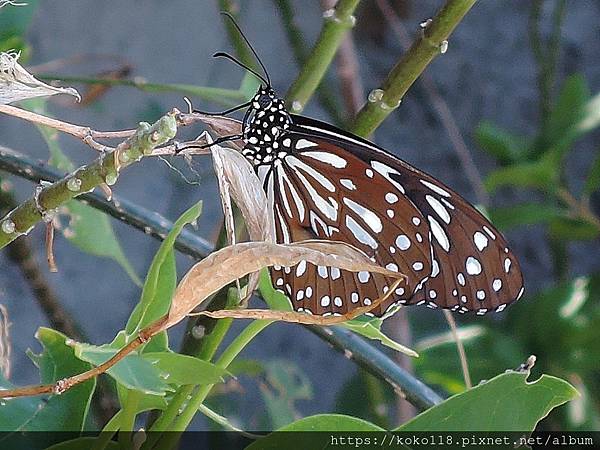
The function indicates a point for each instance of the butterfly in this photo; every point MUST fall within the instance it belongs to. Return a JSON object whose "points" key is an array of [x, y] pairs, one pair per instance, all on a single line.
{"points": [[325, 183]]}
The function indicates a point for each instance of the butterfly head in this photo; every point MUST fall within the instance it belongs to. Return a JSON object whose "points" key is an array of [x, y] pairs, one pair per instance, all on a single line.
{"points": [[265, 121]]}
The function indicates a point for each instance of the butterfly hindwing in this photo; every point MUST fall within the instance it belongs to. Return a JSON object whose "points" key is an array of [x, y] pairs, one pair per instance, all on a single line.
{"points": [[332, 185]]}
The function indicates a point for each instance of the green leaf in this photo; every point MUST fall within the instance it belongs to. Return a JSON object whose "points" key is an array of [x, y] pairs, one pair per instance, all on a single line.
{"points": [[568, 111], [161, 278], [133, 371], [573, 313], [319, 422], [592, 183], [507, 402], [275, 299], [184, 369], [285, 383], [14, 23], [146, 402], [370, 327], [67, 412], [504, 146], [249, 367], [89, 229], [539, 174], [524, 214], [84, 442], [573, 229]]}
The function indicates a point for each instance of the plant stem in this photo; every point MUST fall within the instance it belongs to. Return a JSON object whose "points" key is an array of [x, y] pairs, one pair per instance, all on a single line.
{"points": [[225, 97], [104, 170], [127, 416], [410, 66], [337, 22], [229, 354], [299, 49], [441, 108]]}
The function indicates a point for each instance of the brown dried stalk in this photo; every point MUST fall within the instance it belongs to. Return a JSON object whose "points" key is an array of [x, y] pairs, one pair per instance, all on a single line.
{"points": [[220, 269]]}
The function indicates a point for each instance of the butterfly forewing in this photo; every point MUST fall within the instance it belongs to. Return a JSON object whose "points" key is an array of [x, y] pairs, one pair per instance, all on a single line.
{"points": [[324, 183], [336, 186]]}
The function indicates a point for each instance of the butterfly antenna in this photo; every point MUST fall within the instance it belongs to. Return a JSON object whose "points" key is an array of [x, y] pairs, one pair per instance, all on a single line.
{"points": [[268, 80], [241, 64]]}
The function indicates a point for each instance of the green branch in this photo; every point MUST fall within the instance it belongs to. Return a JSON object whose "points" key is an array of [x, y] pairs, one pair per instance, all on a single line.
{"points": [[145, 220], [433, 41], [104, 170], [337, 22], [325, 93], [226, 97]]}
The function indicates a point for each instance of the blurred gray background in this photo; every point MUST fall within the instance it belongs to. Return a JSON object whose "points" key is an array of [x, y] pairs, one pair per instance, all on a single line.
{"points": [[487, 73]]}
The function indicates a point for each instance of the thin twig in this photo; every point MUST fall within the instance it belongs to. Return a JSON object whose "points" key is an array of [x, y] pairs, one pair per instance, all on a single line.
{"points": [[398, 327], [5, 344], [348, 73], [441, 108], [86, 134], [461, 349], [50, 247], [433, 41]]}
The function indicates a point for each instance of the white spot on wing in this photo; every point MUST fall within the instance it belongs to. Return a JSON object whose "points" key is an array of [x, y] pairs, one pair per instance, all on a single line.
{"points": [[435, 268], [363, 276], [360, 233], [385, 171], [439, 233], [367, 215], [403, 242], [348, 184], [335, 273], [473, 266], [322, 271], [391, 198], [438, 208], [435, 188], [481, 241], [488, 231], [507, 264], [391, 266], [328, 158], [497, 284], [301, 268], [303, 143]]}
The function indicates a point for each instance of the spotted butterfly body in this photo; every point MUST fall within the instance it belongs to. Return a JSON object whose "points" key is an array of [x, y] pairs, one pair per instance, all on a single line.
{"points": [[324, 183]]}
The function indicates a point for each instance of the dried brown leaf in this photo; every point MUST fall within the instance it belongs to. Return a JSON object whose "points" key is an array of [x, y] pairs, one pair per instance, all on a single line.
{"points": [[18, 84], [231, 263], [224, 126]]}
